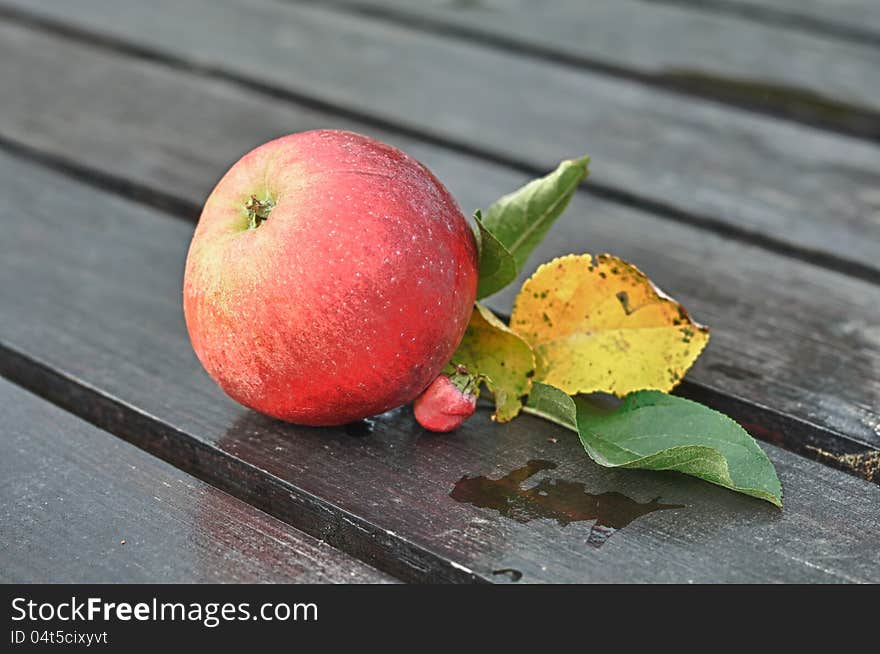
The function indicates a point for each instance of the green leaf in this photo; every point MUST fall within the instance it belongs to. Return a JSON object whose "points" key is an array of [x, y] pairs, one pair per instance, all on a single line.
{"points": [[499, 357], [515, 224], [656, 431], [552, 404], [497, 266], [520, 220]]}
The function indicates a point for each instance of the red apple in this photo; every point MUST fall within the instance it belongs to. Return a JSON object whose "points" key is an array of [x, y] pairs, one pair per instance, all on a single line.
{"points": [[330, 278]]}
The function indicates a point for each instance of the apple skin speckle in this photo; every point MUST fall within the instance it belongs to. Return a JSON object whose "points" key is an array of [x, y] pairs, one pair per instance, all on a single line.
{"points": [[348, 298]]}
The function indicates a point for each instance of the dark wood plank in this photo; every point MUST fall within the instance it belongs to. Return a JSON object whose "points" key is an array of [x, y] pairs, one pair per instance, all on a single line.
{"points": [[804, 345], [850, 20], [787, 72], [78, 505], [100, 331], [789, 187]]}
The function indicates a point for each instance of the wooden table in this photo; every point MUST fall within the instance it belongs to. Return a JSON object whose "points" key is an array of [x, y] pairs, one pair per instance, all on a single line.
{"points": [[735, 159]]}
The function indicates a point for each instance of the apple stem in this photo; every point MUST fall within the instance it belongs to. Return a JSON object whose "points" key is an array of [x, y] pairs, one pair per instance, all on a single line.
{"points": [[258, 211]]}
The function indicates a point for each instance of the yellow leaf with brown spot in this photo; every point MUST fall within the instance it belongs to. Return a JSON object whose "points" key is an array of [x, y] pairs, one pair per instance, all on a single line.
{"points": [[502, 358], [600, 325]]}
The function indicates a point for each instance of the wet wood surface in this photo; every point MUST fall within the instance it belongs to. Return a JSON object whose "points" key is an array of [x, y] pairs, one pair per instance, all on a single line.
{"points": [[762, 221], [739, 59], [848, 20], [100, 332], [78, 505], [794, 189], [798, 339]]}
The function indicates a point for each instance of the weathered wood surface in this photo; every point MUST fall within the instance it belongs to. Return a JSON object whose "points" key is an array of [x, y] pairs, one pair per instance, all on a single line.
{"points": [[786, 334], [851, 20], [100, 331], [78, 505], [784, 71], [789, 187]]}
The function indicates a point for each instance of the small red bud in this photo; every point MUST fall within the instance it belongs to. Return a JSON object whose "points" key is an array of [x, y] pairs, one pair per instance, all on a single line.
{"points": [[443, 406]]}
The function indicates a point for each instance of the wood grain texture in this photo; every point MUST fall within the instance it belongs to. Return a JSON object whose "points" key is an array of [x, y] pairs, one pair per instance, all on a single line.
{"points": [[789, 72], [787, 335], [851, 20], [777, 183], [78, 505], [100, 331]]}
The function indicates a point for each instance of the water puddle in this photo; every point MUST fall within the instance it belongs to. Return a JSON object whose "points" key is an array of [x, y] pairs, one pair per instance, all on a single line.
{"points": [[556, 499], [508, 573]]}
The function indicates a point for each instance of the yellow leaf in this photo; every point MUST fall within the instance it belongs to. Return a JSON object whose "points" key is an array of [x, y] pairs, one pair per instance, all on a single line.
{"points": [[504, 359], [602, 326]]}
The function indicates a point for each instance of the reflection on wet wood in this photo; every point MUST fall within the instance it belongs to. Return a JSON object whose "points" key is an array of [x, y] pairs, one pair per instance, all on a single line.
{"points": [[554, 499], [79, 505]]}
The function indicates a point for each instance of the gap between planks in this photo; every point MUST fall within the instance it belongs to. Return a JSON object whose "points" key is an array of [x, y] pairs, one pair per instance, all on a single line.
{"points": [[157, 523]]}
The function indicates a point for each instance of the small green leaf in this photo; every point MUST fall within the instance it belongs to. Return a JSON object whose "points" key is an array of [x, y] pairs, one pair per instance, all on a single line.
{"points": [[499, 357], [462, 378], [520, 220], [497, 266], [656, 431]]}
